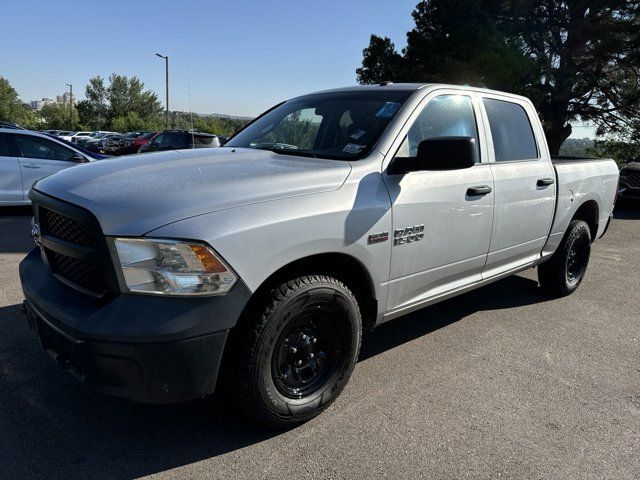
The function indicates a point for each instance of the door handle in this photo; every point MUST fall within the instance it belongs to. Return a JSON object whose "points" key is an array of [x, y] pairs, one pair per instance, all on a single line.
{"points": [[480, 190], [545, 182], [31, 165]]}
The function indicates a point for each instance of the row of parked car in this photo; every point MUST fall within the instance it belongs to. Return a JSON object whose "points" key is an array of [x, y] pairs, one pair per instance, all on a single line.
{"points": [[27, 156], [114, 143]]}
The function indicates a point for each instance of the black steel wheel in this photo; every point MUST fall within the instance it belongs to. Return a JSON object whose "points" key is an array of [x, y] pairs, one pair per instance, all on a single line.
{"points": [[563, 272], [308, 351], [296, 352]]}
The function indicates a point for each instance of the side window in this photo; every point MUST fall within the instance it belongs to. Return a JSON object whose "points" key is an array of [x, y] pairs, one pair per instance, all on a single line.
{"points": [[4, 146], [443, 116], [511, 131], [175, 139], [36, 147], [298, 129]]}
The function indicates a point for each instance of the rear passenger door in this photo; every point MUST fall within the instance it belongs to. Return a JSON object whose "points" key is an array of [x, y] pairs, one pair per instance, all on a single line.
{"points": [[40, 157], [525, 187], [10, 177]]}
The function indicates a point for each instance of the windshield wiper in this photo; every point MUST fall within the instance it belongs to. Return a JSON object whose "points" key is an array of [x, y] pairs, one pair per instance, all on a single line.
{"points": [[293, 151], [287, 151]]}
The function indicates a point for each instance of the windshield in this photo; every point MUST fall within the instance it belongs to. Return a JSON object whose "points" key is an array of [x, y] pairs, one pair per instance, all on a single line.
{"points": [[338, 125]]}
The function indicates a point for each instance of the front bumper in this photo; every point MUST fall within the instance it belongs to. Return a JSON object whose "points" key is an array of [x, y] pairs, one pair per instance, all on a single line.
{"points": [[145, 348], [626, 191]]}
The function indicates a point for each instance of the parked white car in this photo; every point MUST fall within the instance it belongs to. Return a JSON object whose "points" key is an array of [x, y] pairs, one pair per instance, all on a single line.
{"points": [[66, 135], [26, 157], [78, 135]]}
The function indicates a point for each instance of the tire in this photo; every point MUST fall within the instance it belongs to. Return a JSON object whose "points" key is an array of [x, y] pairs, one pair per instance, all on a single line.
{"points": [[562, 274], [294, 357]]}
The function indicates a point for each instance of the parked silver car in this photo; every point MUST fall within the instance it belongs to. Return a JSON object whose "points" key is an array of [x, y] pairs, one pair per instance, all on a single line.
{"points": [[26, 157]]}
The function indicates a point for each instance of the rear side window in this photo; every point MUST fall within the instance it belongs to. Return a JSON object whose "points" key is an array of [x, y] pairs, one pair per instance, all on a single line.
{"points": [[205, 141], [41, 148], [511, 131], [4, 147], [175, 139]]}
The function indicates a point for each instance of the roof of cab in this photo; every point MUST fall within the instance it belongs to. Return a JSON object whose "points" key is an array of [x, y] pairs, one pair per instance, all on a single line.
{"points": [[412, 87]]}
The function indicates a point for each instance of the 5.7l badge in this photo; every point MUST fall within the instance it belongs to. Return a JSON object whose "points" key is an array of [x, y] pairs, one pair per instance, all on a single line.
{"points": [[408, 235]]}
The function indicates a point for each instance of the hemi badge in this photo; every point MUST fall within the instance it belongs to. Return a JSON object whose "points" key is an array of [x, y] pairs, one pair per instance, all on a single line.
{"points": [[378, 237]]}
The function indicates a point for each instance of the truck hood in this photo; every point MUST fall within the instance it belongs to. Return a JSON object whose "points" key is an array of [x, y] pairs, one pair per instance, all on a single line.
{"points": [[135, 194]]}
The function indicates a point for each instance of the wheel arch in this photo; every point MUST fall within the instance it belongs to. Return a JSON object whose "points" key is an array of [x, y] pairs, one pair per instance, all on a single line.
{"points": [[341, 266], [589, 212]]}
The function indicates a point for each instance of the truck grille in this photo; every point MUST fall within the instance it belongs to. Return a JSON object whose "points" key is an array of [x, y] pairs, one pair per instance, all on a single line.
{"points": [[74, 249], [65, 228], [633, 180], [83, 274]]}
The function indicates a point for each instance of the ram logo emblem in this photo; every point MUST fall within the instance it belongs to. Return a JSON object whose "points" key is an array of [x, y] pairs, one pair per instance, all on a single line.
{"points": [[408, 235]]}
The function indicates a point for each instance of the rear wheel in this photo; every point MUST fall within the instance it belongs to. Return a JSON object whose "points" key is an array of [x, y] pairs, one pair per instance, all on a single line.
{"points": [[563, 272], [295, 356]]}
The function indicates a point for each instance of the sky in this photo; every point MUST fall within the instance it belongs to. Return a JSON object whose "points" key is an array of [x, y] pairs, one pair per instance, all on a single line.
{"points": [[242, 56]]}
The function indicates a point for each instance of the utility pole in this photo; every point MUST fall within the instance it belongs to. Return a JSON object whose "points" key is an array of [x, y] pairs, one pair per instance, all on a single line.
{"points": [[70, 106], [166, 73]]}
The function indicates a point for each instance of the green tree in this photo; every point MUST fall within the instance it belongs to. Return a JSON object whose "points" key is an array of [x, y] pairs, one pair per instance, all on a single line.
{"points": [[381, 62], [12, 109], [621, 147], [576, 59], [124, 104], [56, 116], [94, 110], [132, 122], [225, 126]]}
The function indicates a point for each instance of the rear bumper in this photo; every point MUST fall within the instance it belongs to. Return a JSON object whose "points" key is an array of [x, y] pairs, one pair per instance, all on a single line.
{"points": [[145, 348]]}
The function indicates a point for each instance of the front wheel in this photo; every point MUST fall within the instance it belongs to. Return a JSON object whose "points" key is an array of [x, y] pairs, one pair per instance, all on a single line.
{"points": [[294, 358], [563, 272]]}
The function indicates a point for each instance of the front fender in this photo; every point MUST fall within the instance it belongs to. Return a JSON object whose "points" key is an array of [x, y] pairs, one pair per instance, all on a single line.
{"points": [[258, 240]]}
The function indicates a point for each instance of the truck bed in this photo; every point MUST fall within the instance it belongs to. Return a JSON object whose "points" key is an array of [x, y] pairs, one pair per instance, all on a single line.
{"points": [[580, 181], [558, 159]]}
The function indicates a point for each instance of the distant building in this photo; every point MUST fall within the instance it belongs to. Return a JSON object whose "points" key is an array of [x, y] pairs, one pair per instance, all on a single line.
{"points": [[65, 98], [60, 99], [38, 104]]}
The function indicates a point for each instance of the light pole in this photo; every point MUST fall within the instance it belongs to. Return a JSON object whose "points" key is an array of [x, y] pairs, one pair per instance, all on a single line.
{"points": [[166, 72], [70, 106]]}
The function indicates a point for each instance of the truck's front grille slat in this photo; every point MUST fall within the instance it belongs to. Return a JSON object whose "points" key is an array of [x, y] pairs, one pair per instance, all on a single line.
{"points": [[65, 228], [85, 275]]}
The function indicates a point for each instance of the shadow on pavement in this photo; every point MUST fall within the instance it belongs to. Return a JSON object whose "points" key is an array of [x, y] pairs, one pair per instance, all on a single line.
{"points": [[15, 230], [508, 293], [627, 209], [50, 425]]}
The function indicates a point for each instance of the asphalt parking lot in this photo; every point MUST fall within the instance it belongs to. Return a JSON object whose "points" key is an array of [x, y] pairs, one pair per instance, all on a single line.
{"points": [[499, 383]]}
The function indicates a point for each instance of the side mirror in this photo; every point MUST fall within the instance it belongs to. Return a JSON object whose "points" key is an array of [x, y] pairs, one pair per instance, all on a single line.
{"points": [[441, 153], [78, 158]]}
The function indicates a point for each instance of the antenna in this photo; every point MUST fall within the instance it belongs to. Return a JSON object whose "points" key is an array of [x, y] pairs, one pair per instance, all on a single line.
{"points": [[193, 145]]}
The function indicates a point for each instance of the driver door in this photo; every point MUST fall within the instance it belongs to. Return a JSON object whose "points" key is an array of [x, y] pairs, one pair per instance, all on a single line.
{"points": [[40, 157], [448, 225]]}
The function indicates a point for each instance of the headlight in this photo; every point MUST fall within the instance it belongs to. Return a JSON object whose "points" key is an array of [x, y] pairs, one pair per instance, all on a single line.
{"points": [[169, 267]]}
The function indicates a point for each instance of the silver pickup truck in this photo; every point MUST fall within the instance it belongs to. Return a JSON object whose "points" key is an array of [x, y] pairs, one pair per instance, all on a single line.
{"points": [[262, 262]]}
